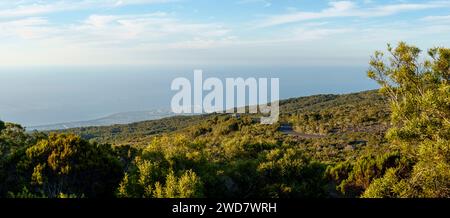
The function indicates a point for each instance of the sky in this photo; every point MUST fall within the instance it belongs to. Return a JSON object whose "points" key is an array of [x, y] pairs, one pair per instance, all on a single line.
{"points": [[169, 33], [74, 60]]}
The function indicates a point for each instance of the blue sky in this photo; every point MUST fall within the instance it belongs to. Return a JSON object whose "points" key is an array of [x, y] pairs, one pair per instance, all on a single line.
{"points": [[203, 32]]}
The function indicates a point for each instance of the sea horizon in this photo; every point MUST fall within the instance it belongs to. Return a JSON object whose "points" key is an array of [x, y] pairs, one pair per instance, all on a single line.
{"points": [[53, 95]]}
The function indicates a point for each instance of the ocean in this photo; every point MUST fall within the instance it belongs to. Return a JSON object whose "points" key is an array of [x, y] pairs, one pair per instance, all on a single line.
{"points": [[46, 95]]}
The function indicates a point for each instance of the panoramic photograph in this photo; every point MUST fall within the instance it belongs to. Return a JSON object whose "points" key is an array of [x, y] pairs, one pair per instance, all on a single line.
{"points": [[224, 107]]}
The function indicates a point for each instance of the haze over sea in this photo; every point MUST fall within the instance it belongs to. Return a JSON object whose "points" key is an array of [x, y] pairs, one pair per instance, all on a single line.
{"points": [[48, 95]]}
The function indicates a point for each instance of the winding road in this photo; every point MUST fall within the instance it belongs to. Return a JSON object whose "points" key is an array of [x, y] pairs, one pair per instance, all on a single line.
{"points": [[288, 130]]}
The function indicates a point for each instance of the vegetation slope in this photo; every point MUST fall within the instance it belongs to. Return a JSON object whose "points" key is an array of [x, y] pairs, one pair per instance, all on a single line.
{"points": [[391, 143]]}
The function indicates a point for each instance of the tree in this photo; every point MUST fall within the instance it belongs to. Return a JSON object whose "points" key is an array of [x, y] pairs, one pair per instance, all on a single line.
{"points": [[356, 176], [2, 126], [66, 165], [186, 186], [162, 170], [289, 173], [419, 96]]}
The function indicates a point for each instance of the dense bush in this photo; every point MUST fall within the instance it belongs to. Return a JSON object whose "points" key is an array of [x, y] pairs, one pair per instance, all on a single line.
{"points": [[61, 165], [419, 94]]}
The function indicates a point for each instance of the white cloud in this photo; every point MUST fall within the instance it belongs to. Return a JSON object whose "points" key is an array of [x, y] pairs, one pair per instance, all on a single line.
{"points": [[27, 28], [148, 28], [319, 33], [398, 8], [105, 39], [348, 9], [264, 3], [34, 8], [437, 18], [165, 38], [336, 9], [100, 28]]}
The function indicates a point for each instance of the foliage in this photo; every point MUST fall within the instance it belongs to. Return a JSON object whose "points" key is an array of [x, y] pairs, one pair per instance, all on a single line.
{"points": [[355, 177], [289, 173], [419, 94], [369, 144], [61, 166]]}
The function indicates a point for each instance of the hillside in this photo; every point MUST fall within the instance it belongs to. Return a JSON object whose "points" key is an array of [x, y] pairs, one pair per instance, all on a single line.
{"points": [[330, 115]]}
